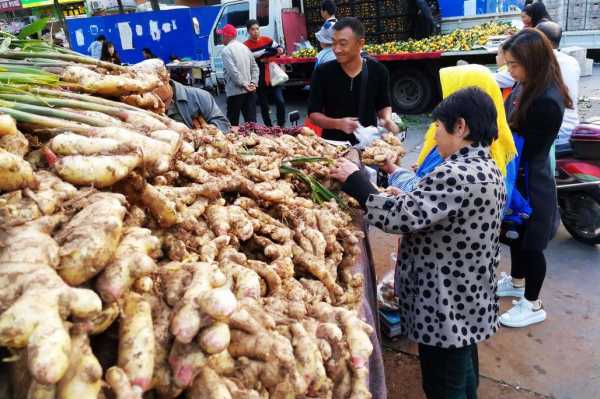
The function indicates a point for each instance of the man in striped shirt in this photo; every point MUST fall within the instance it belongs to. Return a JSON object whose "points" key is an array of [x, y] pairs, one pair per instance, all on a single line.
{"points": [[263, 47]]}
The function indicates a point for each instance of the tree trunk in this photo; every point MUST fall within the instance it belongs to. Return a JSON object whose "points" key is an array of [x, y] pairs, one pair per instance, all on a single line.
{"points": [[155, 6], [121, 10]]}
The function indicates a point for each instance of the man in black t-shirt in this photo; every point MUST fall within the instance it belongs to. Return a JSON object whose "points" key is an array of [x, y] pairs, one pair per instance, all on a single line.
{"points": [[335, 94]]}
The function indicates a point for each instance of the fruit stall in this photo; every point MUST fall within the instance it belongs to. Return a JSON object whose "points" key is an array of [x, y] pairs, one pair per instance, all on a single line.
{"points": [[414, 64], [140, 257]]}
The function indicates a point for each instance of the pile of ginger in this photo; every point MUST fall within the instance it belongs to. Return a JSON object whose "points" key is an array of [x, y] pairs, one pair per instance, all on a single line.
{"points": [[197, 270]]}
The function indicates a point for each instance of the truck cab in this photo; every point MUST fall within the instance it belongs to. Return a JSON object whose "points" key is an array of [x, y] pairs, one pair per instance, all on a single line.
{"points": [[237, 13]]}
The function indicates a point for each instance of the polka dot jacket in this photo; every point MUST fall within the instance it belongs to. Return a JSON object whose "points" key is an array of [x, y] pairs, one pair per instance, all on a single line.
{"points": [[445, 275]]}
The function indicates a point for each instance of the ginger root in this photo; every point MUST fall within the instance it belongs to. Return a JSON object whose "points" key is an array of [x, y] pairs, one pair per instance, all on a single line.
{"points": [[133, 259], [89, 240]]}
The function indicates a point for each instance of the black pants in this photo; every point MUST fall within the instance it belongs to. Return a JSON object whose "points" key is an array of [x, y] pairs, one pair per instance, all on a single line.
{"points": [[244, 103], [530, 265], [263, 99], [449, 373]]}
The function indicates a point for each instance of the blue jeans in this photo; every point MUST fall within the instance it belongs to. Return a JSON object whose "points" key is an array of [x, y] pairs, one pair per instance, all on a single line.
{"points": [[263, 99], [449, 373]]}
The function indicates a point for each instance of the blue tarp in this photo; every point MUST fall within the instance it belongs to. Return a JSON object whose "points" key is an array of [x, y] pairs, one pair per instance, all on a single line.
{"points": [[166, 33], [456, 8]]}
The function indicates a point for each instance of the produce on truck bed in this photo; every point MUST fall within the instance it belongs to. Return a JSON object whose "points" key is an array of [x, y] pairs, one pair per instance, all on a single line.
{"points": [[224, 261], [458, 40]]}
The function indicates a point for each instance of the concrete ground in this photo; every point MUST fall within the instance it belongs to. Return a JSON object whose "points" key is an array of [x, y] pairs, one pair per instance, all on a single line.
{"points": [[559, 358]]}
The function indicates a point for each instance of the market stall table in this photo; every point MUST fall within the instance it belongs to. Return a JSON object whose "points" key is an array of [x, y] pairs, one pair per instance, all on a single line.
{"points": [[369, 312], [194, 70]]}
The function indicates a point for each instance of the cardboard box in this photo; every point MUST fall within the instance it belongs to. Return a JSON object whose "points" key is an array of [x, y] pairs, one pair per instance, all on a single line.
{"points": [[588, 67], [576, 23], [592, 23], [579, 53]]}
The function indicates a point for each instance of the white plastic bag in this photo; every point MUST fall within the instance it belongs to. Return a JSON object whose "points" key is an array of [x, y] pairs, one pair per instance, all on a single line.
{"points": [[366, 136], [278, 75]]}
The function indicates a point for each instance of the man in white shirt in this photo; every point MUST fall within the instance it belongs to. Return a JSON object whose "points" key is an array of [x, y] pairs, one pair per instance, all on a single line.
{"points": [[570, 71], [241, 77]]}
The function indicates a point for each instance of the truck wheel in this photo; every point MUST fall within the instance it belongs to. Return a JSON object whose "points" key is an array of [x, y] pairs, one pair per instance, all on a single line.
{"points": [[412, 91]]}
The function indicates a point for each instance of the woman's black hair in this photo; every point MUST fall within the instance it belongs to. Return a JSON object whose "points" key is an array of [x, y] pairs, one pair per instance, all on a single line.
{"points": [[251, 23], [329, 7], [537, 12], [477, 109]]}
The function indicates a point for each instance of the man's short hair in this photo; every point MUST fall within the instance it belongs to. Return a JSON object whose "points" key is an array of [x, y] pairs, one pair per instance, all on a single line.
{"points": [[552, 30], [476, 108], [251, 23], [101, 38], [329, 7], [353, 23]]}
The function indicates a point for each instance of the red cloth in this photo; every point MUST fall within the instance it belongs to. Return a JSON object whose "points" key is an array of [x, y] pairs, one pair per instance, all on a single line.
{"points": [[308, 123], [263, 43]]}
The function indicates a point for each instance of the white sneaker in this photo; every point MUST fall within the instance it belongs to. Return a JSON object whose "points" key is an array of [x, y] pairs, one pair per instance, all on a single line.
{"points": [[506, 287], [522, 314]]}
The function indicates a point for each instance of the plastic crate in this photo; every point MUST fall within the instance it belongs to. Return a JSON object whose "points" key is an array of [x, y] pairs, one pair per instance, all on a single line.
{"points": [[344, 10], [313, 17], [371, 25], [394, 7], [367, 9], [401, 24], [393, 37], [312, 4]]}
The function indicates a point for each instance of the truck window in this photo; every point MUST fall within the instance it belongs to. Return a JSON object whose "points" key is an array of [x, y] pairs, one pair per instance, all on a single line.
{"points": [[236, 15], [262, 12]]}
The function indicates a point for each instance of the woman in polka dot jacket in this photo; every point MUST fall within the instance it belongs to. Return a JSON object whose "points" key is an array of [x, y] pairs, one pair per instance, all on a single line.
{"points": [[445, 276]]}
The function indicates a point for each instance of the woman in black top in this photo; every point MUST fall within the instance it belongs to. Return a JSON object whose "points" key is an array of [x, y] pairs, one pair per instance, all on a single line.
{"points": [[109, 54], [535, 111], [533, 14]]}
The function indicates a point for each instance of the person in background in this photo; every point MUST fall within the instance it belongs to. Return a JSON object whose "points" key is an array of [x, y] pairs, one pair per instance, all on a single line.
{"points": [[424, 24], [109, 54], [263, 47], [452, 79], [241, 77], [570, 72], [533, 14], [328, 10], [148, 54], [95, 48], [340, 98], [535, 111], [191, 106], [325, 39], [450, 249]]}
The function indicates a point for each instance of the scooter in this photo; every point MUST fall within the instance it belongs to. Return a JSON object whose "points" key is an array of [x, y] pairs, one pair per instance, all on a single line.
{"points": [[578, 184]]}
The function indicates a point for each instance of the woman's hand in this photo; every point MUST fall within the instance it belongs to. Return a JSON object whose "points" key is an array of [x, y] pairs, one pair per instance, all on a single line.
{"points": [[342, 169], [394, 191]]}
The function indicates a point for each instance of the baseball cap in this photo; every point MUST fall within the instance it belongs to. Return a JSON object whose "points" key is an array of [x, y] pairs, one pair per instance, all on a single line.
{"points": [[228, 30], [325, 35]]}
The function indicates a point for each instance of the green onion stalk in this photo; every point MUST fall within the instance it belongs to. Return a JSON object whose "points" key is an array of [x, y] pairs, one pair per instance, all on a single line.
{"points": [[39, 120], [56, 113], [319, 193], [19, 55]]}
